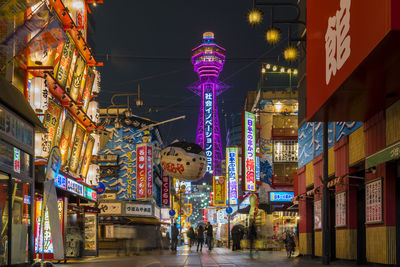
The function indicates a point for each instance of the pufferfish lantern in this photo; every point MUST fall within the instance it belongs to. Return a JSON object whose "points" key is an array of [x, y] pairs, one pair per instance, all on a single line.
{"points": [[184, 161]]}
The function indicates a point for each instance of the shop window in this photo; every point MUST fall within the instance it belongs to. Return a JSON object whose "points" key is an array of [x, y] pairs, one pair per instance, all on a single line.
{"points": [[4, 189]]}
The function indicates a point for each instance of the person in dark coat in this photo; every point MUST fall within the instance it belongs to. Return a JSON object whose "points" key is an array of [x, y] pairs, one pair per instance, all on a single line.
{"points": [[174, 237], [200, 237], [252, 235], [235, 238], [192, 236], [209, 230]]}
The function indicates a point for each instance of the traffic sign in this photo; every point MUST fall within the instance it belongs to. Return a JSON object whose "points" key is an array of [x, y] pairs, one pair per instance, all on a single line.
{"points": [[172, 213], [229, 210]]}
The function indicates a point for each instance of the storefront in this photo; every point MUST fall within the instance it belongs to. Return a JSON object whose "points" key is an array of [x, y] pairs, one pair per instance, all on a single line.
{"points": [[78, 216], [16, 176]]}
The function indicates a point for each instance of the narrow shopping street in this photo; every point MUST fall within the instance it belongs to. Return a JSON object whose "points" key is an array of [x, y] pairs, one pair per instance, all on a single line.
{"points": [[220, 257]]}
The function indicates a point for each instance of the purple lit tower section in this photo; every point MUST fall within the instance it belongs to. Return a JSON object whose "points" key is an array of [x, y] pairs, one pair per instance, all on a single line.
{"points": [[208, 60]]}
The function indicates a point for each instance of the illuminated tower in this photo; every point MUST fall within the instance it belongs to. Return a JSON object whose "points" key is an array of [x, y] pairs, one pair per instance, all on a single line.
{"points": [[208, 60]]}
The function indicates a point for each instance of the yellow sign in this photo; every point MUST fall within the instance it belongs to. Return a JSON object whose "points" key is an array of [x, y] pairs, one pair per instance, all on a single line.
{"points": [[219, 189]]}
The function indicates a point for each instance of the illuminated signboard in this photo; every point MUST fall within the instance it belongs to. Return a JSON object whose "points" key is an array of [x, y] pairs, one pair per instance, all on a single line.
{"points": [[219, 186], [281, 196], [90, 194], [75, 187], [149, 178], [232, 173], [165, 190], [60, 181], [17, 160], [249, 151], [141, 171], [47, 242], [208, 128], [257, 168]]}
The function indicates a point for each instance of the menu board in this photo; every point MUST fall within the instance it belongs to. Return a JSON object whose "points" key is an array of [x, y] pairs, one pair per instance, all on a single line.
{"points": [[341, 209], [373, 201], [90, 231], [317, 215]]}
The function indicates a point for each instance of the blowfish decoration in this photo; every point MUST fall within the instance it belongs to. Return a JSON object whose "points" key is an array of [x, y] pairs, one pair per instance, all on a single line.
{"points": [[184, 161]]}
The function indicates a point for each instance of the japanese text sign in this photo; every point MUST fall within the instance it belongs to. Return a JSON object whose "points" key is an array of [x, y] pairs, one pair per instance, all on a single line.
{"points": [[232, 154], [281, 196], [138, 209], [208, 128], [141, 168], [249, 151], [149, 178], [219, 186], [165, 190]]}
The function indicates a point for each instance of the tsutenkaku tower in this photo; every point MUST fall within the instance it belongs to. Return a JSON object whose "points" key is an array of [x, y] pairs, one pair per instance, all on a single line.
{"points": [[208, 60]]}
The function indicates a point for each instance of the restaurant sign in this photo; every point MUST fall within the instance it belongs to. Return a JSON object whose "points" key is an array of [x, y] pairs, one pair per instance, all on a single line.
{"points": [[249, 151]]}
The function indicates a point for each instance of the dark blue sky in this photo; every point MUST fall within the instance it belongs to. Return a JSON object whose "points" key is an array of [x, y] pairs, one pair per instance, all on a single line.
{"points": [[126, 30]]}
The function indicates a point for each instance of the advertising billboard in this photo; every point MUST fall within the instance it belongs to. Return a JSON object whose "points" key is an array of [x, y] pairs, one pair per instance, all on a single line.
{"points": [[249, 151], [232, 169]]}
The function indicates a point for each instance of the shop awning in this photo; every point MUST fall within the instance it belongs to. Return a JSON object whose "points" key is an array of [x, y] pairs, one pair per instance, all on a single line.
{"points": [[141, 220], [13, 99], [390, 153]]}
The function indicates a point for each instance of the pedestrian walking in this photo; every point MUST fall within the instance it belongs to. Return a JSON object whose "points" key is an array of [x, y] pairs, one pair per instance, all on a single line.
{"points": [[200, 237], [192, 237], [209, 230], [235, 238], [252, 236], [174, 237]]}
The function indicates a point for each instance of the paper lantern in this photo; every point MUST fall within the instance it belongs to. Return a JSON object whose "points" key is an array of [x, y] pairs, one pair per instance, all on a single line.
{"points": [[93, 111], [97, 82], [93, 174], [96, 146], [38, 94], [184, 161], [42, 145]]}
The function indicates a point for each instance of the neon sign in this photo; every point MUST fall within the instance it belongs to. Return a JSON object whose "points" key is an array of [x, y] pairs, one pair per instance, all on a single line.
{"points": [[208, 129], [249, 151], [232, 172], [149, 172], [17, 160], [257, 168], [75, 187], [281, 196], [141, 171], [90, 194]]}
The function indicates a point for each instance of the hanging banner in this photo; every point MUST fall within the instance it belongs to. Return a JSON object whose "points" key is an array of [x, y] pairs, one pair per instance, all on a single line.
{"points": [[66, 138], [87, 90], [219, 189], [232, 154], [51, 121], [165, 190], [65, 62], [77, 78], [149, 179], [87, 158], [71, 71], [249, 151], [76, 148], [373, 202], [141, 171], [340, 209]]}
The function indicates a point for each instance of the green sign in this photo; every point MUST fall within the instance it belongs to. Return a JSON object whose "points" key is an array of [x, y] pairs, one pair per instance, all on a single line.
{"points": [[390, 153]]}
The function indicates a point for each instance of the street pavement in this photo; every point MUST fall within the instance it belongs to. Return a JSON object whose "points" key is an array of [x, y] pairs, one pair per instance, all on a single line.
{"points": [[218, 257]]}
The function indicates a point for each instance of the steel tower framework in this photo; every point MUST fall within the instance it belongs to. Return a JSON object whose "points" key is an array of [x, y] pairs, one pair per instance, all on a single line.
{"points": [[208, 60]]}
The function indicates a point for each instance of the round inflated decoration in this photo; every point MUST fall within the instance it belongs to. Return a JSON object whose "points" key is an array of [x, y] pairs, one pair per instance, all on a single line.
{"points": [[184, 161]]}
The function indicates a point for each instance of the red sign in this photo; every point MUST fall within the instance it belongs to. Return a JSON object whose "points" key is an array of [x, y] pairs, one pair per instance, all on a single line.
{"points": [[149, 163], [165, 190], [141, 171], [340, 35]]}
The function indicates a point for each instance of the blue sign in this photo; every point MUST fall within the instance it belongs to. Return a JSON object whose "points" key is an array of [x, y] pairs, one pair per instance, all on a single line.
{"points": [[229, 210], [172, 213], [208, 129], [281, 196], [61, 181], [100, 188], [257, 168]]}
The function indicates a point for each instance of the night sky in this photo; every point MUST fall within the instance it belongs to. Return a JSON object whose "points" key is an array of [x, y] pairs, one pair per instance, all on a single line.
{"points": [[150, 42]]}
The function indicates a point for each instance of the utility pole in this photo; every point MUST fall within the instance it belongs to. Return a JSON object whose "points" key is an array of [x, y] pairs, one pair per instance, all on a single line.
{"points": [[229, 203], [325, 200]]}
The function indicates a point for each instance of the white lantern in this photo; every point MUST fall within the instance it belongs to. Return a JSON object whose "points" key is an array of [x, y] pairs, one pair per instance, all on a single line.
{"points": [[93, 174], [97, 81], [93, 111], [38, 94], [96, 146]]}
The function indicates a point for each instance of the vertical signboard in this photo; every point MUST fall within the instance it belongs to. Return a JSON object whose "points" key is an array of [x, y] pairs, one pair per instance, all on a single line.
{"points": [[129, 178], [149, 171], [87, 90], [258, 169], [141, 171], [77, 78], [66, 138], [249, 151], [232, 154], [51, 121], [340, 209], [208, 127], [64, 64], [165, 190], [17, 160], [87, 157], [373, 202], [219, 186], [76, 148], [317, 215]]}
